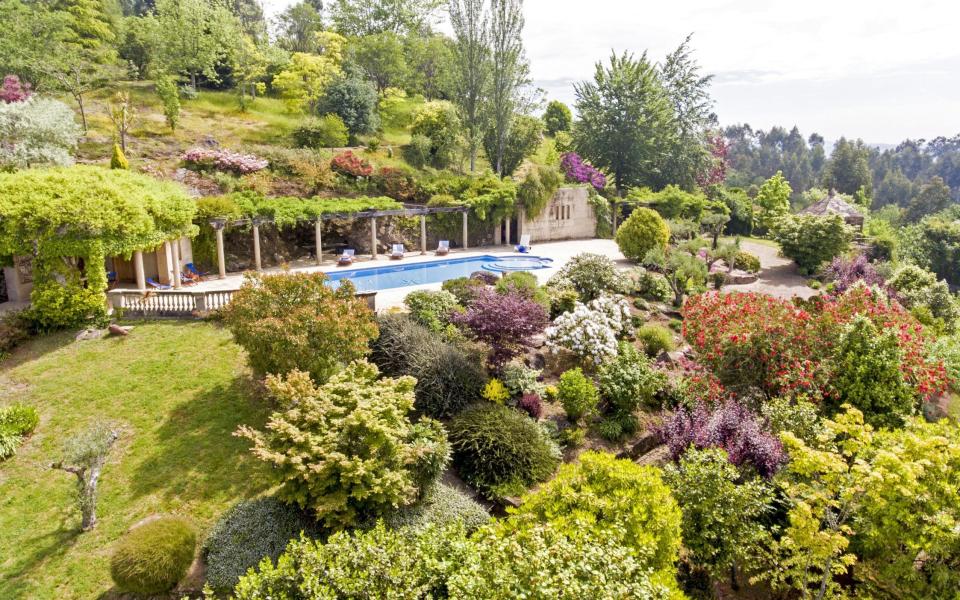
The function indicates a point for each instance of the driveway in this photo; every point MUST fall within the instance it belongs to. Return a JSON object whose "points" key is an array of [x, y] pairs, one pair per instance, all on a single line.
{"points": [[779, 277]]}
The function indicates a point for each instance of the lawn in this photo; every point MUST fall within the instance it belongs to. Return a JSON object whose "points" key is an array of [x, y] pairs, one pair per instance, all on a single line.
{"points": [[178, 391]]}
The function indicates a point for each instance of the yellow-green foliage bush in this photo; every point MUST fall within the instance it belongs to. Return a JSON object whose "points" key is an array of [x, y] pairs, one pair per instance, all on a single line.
{"points": [[347, 450], [643, 231], [151, 558], [495, 391], [118, 160]]}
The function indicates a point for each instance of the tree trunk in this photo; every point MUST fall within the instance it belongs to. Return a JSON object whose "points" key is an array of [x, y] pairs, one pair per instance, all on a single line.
{"points": [[734, 584], [83, 114], [193, 80]]}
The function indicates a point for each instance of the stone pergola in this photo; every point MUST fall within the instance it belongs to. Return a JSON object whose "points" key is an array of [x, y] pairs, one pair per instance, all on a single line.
{"points": [[422, 211]]}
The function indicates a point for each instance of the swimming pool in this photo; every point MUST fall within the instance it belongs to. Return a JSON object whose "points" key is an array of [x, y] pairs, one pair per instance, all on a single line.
{"points": [[387, 277]]}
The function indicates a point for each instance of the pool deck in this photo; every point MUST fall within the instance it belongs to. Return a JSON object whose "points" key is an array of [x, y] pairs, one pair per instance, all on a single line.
{"points": [[560, 252]]}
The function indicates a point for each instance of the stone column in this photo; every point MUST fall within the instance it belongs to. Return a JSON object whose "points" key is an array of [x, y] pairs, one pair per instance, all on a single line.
{"points": [[507, 224], [373, 237], [221, 260], [319, 230], [423, 234], [465, 232], [497, 229], [138, 269], [256, 245], [175, 247]]}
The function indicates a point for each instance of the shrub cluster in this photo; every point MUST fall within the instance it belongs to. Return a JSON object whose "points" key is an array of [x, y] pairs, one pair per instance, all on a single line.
{"points": [[327, 131], [500, 451], [591, 330], [151, 558], [504, 321], [432, 309], [16, 422], [204, 159], [812, 240], [629, 381], [347, 449], [643, 231], [295, 321], [351, 165], [249, 532], [448, 379]]}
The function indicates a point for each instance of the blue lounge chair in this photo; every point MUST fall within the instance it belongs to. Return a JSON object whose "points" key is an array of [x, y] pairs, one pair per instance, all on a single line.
{"points": [[524, 245], [443, 247], [192, 268], [397, 252], [347, 257], [156, 284]]}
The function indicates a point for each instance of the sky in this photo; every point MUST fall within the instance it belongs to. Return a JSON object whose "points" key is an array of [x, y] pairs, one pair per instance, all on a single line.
{"points": [[881, 71]]}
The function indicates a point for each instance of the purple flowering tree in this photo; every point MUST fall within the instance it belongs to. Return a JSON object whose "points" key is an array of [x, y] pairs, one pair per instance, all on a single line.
{"points": [[578, 171], [504, 321], [845, 272], [14, 90], [730, 426]]}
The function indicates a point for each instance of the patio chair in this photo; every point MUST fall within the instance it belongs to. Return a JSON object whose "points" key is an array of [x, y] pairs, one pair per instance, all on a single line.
{"points": [[443, 248], [397, 252], [156, 284], [189, 279], [195, 272], [346, 258], [524, 245]]}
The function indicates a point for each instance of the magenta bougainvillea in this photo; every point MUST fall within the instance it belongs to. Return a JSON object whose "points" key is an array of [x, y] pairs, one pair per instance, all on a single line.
{"points": [[579, 171], [504, 321], [223, 160], [14, 90], [730, 426]]}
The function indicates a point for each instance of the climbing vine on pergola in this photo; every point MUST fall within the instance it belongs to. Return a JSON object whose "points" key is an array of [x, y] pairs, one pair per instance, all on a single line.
{"points": [[90, 213]]}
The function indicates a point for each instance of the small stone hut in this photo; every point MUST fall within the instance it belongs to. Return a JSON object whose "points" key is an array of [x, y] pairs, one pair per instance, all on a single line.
{"points": [[833, 204]]}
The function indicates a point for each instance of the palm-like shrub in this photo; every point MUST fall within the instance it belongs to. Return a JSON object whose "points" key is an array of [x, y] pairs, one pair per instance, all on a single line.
{"points": [[249, 532], [347, 449], [151, 558], [643, 231], [500, 451], [295, 321]]}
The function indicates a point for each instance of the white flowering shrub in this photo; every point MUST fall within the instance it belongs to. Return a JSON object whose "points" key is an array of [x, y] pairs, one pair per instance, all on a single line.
{"points": [[591, 330], [35, 132]]}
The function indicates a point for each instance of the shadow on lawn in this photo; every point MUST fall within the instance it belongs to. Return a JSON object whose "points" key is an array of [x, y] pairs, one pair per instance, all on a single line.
{"points": [[196, 456], [56, 543]]}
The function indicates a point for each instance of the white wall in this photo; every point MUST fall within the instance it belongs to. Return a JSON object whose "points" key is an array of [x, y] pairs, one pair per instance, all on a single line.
{"points": [[567, 216]]}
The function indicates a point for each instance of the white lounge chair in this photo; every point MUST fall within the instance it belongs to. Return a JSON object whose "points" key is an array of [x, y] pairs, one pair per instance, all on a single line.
{"points": [[397, 252], [443, 247], [524, 245], [347, 257]]}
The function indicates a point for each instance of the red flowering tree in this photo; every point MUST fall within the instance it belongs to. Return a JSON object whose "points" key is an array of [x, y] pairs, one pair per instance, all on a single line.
{"points": [[753, 341], [716, 171], [349, 164]]}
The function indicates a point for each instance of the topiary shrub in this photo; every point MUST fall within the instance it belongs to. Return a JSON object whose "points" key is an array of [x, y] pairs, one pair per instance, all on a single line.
{"points": [[295, 321], [442, 505], [151, 558], [655, 339], [327, 131], [577, 394], [432, 309], [347, 449], [448, 379], [249, 532], [118, 160], [643, 231], [500, 451], [747, 262], [591, 275]]}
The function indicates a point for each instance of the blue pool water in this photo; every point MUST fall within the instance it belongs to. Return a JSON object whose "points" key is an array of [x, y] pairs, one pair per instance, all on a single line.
{"points": [[437, 271]]}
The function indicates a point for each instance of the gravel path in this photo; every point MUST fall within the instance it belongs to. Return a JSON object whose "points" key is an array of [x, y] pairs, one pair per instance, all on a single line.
{"points": [[779, 277]]}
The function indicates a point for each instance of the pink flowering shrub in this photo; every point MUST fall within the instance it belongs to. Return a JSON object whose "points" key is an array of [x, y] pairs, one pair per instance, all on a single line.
{"points": [[349, 164], [504, 321], [730, 426], [203, 159], [14, 90], [578, 171]]}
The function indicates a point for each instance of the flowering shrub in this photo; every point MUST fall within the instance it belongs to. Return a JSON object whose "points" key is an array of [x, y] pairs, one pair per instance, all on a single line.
{"points": [[204, 159], [505, 321], [845, 272], [591, 330], [730, 426], [754, 341], [578, 171], [531, 404], [13, 90], [37, 132], [589, 274], [351, 165], [629, 381]]}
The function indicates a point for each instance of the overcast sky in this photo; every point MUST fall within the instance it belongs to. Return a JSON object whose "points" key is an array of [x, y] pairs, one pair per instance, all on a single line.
{"points": [[882, 70]]}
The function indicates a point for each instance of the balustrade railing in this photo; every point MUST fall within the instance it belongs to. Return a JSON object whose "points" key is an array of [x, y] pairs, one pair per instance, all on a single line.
{"points": [[181, 303]]}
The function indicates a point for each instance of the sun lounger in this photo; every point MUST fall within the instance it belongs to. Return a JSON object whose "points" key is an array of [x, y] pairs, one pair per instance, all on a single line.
{"points": [[443, 247], [347, 257], [156, 284], [524, 245], [195, 272], [397, 252]]}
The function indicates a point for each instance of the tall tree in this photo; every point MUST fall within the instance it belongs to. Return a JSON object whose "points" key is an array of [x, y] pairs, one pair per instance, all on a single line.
{"points": [[625, 119], [934, 197], [380, 57], [297, 27], [431, 65], [469, 20], [688, 91], [849, 168], [195, 36], [366, 17], [509, 71]]}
